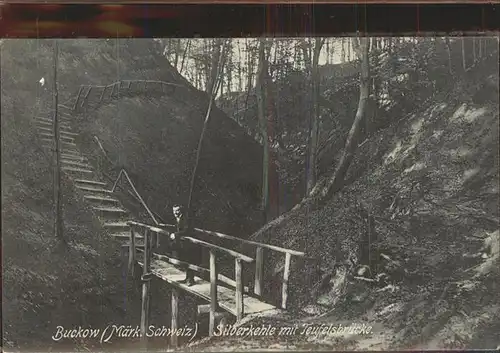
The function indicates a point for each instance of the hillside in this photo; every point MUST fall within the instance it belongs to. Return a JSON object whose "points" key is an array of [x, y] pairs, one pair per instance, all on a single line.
{"points": [[422, 194], [159, 134], [79, 284], [154, 137]]}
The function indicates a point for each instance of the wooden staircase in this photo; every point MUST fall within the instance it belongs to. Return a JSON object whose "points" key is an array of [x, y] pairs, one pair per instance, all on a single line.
{"points": [[106, 207]]}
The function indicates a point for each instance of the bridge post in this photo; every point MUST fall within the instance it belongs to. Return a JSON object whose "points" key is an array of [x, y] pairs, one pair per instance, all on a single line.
{"points": [[239, 288], [286, 275], [157, 241], [175, 315], [214, 304], [146, 286], [154, 239], [259, 267], [131, 253]]}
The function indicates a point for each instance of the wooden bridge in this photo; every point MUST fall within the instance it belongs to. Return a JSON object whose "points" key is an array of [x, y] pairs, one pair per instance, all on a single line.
{"points": [[224, 295]]}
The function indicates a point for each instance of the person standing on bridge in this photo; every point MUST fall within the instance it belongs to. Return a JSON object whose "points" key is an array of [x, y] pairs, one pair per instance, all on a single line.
{"points": [[184, 250]]}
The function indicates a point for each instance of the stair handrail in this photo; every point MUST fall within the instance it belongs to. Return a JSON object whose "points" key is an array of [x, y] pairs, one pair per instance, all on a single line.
{"points": [[123, 172]]}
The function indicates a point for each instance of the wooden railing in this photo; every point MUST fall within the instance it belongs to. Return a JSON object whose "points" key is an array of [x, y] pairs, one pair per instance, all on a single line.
{"points": [[82, 97], [259, 261], [123, 173], [151, 240], [259, 249]]}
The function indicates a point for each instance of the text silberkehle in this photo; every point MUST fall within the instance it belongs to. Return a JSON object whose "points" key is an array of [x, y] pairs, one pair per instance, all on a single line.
{"points": [[304, 329], [121, 331]]}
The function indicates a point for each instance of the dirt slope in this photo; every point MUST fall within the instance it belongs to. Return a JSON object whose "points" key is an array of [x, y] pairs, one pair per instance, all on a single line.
{"points": [[45, 286], [430, 181]]}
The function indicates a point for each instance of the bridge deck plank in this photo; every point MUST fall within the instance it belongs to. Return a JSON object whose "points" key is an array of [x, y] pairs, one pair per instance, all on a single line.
{"points": [[201, 289]]}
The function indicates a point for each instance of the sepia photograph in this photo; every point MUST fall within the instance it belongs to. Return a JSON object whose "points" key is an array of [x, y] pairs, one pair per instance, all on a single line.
{"points": [[250, 194]]}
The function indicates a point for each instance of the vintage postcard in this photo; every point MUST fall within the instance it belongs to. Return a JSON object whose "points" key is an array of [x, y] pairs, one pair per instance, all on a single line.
{"points": [[258, 193]]}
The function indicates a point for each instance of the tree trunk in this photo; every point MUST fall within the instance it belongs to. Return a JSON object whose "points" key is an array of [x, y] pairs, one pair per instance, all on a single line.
{"points": [[342, 56], [376, 88], [305, 46], [216, 81], [314, 122], [58, 219], [214, 67], [349, 49], [240, 73], [448, 49], [463, 53], [177, 52], [250, 72], [296, 56], [229, 70], [474, 48], [328, 52], [184, 54], [334, 182], [263, 127]]}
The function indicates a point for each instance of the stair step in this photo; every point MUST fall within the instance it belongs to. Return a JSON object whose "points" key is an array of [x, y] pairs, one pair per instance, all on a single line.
{"points": [[76, 170], [49, 115], [61, 131], [95, 190], [75, 163], [73, 152], [62, 142], [45, 122], [138, 245], [62, 119], [91, 182], [51, 134], [73, 157], [61, 136], [116, 225], [126, 235], [101, 199], [109, 209], [63, 122]]}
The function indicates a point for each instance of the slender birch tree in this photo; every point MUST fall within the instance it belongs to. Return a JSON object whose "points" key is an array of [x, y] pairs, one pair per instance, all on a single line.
{"points": [[58, 211]]}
